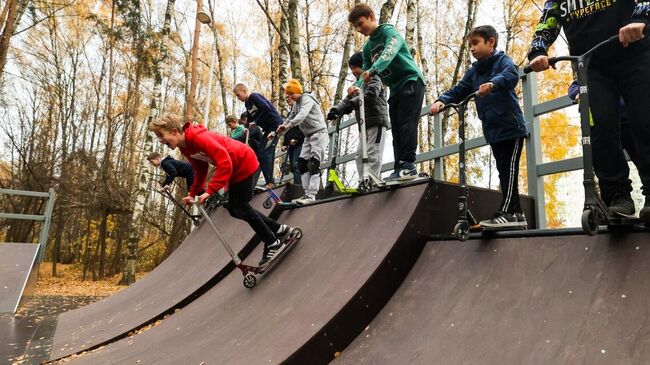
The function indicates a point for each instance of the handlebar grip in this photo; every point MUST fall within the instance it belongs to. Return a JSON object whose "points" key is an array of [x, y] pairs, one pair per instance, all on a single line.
{"points": [[528, 69]]}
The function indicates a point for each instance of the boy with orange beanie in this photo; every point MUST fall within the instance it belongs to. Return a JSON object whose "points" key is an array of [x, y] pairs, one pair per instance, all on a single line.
{"points": [[307, 115]]}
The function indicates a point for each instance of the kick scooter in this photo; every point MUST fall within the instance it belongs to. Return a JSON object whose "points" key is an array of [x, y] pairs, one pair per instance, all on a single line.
{"points": [[595, 211], [251, 272]]}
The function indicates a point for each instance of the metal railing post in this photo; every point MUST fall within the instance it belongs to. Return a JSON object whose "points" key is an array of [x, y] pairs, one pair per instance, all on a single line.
{"points": [[437, 144], [45, 229], [534, 148]]}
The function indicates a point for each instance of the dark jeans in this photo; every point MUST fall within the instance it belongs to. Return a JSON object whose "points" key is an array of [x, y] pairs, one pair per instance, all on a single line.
{"points": [[404, 109], [507, 154], [629, 78], [239, 197], [267, 159], [294, 153]]}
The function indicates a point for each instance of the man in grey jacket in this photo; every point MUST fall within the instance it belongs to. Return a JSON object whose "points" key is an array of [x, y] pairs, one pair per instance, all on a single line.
{"points": [[306, 114], [377, 120]]}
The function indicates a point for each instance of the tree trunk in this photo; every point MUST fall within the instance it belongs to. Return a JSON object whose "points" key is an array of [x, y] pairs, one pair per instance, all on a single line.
{"points": [[222, 79], [411, 15], [424, 64], [7, 32], [103, 228], [294, 40], [128, 276], [387, 11], [283, 63], [191, 95], [343, 72]]}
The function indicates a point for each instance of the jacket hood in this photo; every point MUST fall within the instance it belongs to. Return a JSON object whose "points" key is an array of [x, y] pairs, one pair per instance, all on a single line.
{"points": [[489, 61], [192, 130]]}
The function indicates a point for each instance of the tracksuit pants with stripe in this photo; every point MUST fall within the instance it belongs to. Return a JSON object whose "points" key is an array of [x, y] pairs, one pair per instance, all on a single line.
{"points": [[507, 154]]}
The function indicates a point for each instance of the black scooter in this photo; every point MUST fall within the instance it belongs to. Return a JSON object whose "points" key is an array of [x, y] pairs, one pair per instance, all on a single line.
{"points": [[595, 211]]}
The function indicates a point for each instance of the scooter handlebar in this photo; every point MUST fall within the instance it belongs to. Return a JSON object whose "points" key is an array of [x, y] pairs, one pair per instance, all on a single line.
{"points": [[462, 103]]}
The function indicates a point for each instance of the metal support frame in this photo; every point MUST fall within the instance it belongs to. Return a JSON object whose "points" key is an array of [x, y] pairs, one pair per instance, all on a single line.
{"points": [[537, 169], [46, 218]]}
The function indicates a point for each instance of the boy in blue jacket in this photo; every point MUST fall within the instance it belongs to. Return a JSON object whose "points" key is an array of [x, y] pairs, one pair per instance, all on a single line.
{"points": [[495, 77]]}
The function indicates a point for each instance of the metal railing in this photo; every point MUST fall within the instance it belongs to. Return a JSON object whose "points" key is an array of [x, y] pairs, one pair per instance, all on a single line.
{"points": [[46, 217], [532, 110]]}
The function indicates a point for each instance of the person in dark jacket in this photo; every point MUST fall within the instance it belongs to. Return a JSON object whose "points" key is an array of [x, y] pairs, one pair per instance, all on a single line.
{"points": [[495, 77], [256, 141], [292, 143], [619, 68], [265, 116], [173, 168], [376, 109]]}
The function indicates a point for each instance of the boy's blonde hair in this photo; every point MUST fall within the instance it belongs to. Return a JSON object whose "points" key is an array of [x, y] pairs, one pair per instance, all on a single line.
{"points": [[167, 122], [239, 86]]}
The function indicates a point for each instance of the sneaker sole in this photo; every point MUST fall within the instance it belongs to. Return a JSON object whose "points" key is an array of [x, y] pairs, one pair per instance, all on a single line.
{"points": [[504, 225]]}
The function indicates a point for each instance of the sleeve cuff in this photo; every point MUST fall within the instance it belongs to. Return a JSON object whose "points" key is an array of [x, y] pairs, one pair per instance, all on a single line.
{"points": [[534, 53]]}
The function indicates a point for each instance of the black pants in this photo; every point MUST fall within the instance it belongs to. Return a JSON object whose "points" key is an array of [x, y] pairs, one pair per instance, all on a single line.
{"points": [[404, 109], [629, 77], [507, 154], [239, 197]]}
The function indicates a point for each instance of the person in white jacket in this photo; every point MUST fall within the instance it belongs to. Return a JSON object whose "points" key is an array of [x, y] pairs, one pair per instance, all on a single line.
{"points": [[307, 115]]}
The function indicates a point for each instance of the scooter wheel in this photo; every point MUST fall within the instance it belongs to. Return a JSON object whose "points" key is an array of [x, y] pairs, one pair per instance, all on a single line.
{"points": [[590, 221], [423, 174], [267, 203], [461, 231], [364, 186], [297, 233], [249, 281]]}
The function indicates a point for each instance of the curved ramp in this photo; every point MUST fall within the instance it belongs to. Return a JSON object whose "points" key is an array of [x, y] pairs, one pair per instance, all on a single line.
{"points": [[198, 262], [352, 256], [552, 300], [16, 267]]}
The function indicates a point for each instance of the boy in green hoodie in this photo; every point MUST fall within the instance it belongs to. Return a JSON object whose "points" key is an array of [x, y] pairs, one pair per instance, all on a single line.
{"points": [[387, 55]]}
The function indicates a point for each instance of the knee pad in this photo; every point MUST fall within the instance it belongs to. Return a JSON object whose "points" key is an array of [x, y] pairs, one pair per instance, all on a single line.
{"points": [[301, 163], [314, 166]]}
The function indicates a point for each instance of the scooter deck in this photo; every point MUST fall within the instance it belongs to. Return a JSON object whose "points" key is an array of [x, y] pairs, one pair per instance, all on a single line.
{"points": [[262, 269]]}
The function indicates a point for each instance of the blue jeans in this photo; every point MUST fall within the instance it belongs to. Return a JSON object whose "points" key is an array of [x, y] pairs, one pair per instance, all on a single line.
{"points": [[266, 159], [294, 153]]}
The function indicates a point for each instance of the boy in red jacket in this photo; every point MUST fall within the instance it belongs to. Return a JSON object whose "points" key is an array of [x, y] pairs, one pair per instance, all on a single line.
{"points": [[235, 164]]}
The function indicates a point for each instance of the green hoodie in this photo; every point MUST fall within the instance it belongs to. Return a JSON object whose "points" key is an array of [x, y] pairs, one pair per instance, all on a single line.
{"points": [[386, 53]]}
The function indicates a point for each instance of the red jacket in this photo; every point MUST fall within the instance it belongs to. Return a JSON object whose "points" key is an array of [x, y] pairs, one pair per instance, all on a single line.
{"points": [[233, 160]]}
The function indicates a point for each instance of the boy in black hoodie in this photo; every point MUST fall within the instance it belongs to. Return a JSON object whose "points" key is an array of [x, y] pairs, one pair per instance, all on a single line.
{"points": [[376, 109], [495, 77], [173, 168], [620, 69]]}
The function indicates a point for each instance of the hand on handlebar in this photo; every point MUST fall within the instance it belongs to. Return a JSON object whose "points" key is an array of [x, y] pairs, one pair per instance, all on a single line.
{"points": [[353, 90], [436, 107], [188, 200], [631, 33], [540, 63], [485, 89]]}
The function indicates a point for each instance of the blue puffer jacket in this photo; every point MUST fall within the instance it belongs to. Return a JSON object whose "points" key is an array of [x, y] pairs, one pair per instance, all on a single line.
{"points": [[499, 111]]}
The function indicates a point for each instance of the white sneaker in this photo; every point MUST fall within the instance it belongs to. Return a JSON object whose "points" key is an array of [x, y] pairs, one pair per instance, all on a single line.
{"points": [[306, 199]]}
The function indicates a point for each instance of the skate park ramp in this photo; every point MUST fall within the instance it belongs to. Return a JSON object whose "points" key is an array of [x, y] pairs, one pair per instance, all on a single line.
{"points": [[551, 300], [198, 263], [353, 255], [17, 265]]}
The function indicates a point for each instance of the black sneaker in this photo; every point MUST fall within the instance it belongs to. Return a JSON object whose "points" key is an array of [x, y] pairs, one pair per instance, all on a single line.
{"points": [[407, 171], [503, 220], [622, 203], [271, 251], [644, 213], [284, 233], [521, 218]]}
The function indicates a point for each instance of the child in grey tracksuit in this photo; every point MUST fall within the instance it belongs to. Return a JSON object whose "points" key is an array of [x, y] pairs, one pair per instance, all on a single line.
{"points": [[306, 114]]}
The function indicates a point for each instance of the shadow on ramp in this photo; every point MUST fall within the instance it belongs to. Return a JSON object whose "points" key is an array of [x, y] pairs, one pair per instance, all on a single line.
{"points": [[545, 300], [198, 263]]}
